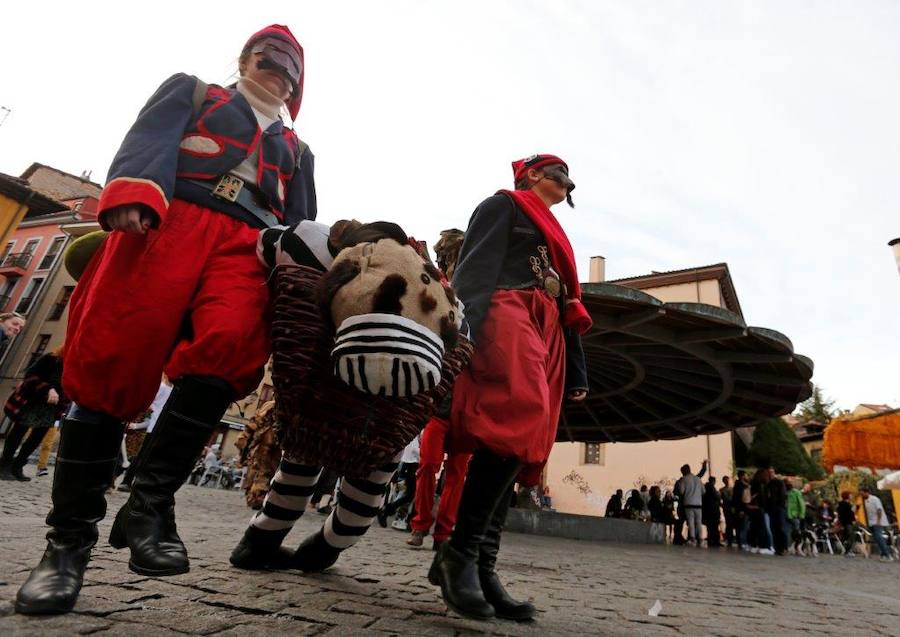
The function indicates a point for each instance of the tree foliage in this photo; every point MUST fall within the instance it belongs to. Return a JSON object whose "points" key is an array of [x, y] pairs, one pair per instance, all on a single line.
{"points": [[775, 445], [816, 408]]}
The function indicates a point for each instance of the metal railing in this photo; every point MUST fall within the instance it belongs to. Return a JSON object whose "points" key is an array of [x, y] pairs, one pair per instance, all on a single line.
{"points": [[17, 260]]}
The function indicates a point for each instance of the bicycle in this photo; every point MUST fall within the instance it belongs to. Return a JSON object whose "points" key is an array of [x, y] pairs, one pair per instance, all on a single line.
{"points": [[827, 540], [808, 545], [892, 535]]}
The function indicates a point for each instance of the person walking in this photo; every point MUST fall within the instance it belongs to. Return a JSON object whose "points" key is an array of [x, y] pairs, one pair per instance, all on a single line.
{"points": [[176, 286], [37, 404], [406, 474], [689, 489], [777, 512], [431, 459], [712, 513], [668, 505], [877, 519], [726, 497], [846, 517], [518, 280], [796, 515], [46, 448], [740, 499], [760, 536]]}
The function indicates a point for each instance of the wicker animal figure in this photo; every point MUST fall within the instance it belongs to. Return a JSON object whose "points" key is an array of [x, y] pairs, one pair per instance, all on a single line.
{"points": [[394, 312], [386, 316]]}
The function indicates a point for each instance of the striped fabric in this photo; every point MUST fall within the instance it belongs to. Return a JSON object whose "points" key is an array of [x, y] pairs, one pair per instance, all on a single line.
{"points": [[387, 355], [305, 243], [289, 492], [358, 502]]}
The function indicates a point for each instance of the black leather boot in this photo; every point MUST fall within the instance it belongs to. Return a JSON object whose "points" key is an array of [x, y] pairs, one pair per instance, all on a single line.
{"points": [[13, 439], [85, 464], [454, 568], [504, 605], [260, 549], [314, 554], [146, 523]]}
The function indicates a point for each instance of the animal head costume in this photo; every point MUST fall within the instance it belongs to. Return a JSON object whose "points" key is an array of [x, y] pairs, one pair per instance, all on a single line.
{"points": [[394, 313]]}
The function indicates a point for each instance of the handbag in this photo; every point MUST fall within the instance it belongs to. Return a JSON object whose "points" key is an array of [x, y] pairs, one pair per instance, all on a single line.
{"points": [[15, 403]]}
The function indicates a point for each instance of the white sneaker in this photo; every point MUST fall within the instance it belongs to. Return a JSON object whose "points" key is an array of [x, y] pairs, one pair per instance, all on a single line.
{"points": [[746, 549], [753, 549], [887, 558], [766, 552]]}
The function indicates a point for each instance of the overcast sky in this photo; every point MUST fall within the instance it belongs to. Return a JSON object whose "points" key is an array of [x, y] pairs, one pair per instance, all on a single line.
{"points": [[764, 135]]}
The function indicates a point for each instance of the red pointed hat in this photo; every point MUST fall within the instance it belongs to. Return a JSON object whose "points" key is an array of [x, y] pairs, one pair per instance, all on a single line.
{"points": [[521, 166], [281, 32]]}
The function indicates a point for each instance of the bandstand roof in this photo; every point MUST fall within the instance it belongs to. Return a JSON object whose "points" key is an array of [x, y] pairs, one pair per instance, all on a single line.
{"points": [[664, 371]]}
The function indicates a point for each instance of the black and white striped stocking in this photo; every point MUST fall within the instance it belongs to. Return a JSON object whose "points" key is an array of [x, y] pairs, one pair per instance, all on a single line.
{"points": [[358, 502]]}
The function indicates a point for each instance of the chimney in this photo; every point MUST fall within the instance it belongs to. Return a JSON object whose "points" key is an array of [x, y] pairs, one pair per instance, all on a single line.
{"points": [[597, 272]]}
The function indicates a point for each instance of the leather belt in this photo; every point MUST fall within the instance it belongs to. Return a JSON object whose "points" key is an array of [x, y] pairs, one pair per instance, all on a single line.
{"points": [[233, 189]]}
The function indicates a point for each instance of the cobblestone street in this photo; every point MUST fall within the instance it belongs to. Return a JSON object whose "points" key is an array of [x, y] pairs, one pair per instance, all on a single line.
{"points": [[379, 586]]}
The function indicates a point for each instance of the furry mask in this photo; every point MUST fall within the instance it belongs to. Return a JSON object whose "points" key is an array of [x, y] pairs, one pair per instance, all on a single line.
{"points": [[394, 313]]}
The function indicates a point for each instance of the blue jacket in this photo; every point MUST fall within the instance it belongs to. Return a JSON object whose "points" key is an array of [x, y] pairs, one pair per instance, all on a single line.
{"points": [[170, 142]]}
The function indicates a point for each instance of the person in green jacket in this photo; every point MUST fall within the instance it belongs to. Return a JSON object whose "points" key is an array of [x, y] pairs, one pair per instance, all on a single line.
{"points": [[796, 512]]}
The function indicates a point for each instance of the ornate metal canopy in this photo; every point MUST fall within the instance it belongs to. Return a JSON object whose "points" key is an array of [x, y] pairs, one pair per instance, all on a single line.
{"points": [[664, 371]]}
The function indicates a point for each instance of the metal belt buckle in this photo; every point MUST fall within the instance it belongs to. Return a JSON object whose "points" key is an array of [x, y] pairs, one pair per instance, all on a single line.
{"points": [[552, 284], [228, 188]]}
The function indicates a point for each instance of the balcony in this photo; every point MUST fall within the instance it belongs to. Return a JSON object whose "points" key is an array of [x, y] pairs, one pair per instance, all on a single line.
{"points": [[15, 265]]}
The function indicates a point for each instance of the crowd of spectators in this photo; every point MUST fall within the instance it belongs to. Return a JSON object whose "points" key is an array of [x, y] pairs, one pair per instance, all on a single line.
{"points": [[762, 514]]}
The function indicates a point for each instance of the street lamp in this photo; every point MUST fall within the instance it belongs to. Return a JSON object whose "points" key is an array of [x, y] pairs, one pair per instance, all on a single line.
{"points": [[895, 244]]}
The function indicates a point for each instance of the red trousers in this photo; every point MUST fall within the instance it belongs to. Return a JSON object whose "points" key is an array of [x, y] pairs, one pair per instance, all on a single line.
{"points": [[431, 452], [509, 399], [189, 299]]}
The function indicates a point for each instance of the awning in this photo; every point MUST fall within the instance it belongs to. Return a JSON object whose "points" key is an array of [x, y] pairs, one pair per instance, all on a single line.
{"points": [[868, 441], [664, 371]]}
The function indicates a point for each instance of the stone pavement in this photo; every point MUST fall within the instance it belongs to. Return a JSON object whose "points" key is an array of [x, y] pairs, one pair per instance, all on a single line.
{"points": [[379, 586]]}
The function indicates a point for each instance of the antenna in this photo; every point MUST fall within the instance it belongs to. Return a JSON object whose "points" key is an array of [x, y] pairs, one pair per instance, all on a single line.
{"points": [[6, 112]]}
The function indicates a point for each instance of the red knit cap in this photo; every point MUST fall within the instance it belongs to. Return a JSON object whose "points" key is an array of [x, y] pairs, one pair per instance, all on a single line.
{"points": [[520, 166], [281, 32]]}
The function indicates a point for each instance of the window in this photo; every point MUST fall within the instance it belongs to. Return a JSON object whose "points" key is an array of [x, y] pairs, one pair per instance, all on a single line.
{"points": [[6, 290], [31, 246], [7, 250], [594, 453], [28, 296], [39, 349], [52, 252], [61, 302]]}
